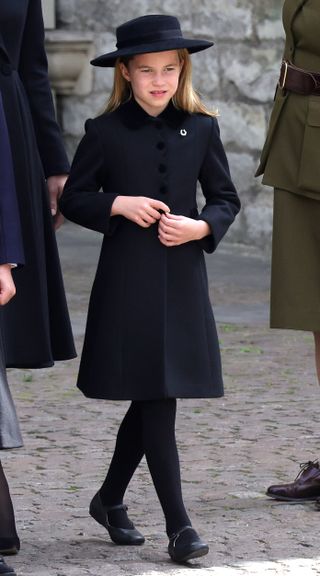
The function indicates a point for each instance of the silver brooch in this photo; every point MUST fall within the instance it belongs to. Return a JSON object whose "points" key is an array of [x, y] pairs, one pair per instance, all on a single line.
{"points": [[183, 132]]}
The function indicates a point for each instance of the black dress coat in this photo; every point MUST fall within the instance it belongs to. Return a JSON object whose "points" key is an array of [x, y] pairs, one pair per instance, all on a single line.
{"points": [[150, 330], [35, 324]]}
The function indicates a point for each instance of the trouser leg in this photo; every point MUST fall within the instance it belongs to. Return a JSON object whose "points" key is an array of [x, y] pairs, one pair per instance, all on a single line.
{"points": [[8, 533]]}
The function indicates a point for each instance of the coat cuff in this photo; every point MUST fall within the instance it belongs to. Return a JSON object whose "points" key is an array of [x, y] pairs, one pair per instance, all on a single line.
{"points": [[208, 243]]}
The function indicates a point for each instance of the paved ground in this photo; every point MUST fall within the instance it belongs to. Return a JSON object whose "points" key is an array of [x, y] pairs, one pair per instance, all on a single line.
{"points": [[231, 449]]}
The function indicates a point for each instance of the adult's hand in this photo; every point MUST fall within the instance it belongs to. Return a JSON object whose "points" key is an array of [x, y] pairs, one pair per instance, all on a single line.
{"points": [[55, 188], [7, 287], [175, 230], [139, 209]]}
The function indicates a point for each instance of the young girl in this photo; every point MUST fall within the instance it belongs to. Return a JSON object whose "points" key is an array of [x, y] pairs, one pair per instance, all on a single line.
{"points": [[150, 335]]}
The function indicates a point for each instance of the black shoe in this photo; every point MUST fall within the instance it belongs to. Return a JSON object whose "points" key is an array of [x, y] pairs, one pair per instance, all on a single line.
{"points": [[9, 546], [124, 536], [186, 545], [306, 485], [5, 570]]}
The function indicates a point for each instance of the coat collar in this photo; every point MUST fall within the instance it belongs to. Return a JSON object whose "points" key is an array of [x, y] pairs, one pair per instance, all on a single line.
{"points": [[135, 117]]}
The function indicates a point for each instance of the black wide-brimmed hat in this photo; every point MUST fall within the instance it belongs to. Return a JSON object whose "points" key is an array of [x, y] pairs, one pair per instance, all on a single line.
{"points": [[154, 33]]}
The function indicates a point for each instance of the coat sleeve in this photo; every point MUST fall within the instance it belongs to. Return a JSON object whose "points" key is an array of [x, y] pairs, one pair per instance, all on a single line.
{"points": [[82, 201], [33, 70], [222, 201], [11, 247]]}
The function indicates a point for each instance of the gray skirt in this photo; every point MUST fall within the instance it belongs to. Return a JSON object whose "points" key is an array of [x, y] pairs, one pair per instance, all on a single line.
{"points": [[10, 436], [295, 272]]}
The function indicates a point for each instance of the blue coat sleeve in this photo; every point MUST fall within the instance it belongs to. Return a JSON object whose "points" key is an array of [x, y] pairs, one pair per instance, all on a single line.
{"points": [[33, 70], [11, 247], [222, 201]]}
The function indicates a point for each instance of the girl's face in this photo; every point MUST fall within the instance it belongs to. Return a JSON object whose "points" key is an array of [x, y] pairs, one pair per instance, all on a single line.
{"points": [[154, 79]]}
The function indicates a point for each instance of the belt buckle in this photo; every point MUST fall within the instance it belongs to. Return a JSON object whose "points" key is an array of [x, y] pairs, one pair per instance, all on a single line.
{"points": [[282, 84]]}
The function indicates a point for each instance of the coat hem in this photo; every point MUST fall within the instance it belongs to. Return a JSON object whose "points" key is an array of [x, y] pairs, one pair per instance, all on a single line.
{"points": [[10, 446], [38, 365], [145, 398]]}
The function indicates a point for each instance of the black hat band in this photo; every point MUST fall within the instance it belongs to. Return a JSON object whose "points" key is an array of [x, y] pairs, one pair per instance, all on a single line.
{"points": [[152, 38]]}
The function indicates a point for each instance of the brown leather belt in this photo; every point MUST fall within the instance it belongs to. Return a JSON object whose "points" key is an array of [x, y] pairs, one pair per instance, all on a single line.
{"points": [[298, 80]]}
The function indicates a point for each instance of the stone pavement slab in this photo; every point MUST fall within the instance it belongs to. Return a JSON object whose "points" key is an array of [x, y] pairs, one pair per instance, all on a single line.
{"points": [[231, 448]]}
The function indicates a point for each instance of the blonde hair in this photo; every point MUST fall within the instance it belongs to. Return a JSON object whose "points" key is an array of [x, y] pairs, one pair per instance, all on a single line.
{"points": [[186, 98]]}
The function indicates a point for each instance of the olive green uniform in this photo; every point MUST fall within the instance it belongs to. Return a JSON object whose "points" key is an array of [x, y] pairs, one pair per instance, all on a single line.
{"points": [[290, 162]]}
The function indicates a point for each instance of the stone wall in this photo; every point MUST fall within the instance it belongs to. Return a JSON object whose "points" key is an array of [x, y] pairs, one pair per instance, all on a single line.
{"points": [[237, 76]]}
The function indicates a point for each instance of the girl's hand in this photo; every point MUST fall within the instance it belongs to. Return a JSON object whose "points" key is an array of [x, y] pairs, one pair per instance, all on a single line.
{"points": [[139, 209], [175, 230], [7, 287]]}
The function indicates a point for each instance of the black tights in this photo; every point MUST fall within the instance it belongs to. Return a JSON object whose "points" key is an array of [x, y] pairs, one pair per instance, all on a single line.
{"points": [[8, 531], [148, 428]]}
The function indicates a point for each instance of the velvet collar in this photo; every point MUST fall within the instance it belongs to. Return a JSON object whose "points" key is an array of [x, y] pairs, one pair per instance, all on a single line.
{"points": [[135, 117]]}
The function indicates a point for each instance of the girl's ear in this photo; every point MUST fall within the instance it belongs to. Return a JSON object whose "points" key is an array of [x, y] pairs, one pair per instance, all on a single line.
{"points": [[124, 71]]}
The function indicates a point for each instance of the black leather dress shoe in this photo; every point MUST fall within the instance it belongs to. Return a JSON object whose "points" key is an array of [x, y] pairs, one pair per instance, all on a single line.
{"points": [[305, 487], [123, 536], [185, 545], [9, 546], [5, 570]]}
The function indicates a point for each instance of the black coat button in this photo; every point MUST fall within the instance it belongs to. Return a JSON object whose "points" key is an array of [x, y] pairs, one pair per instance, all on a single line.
{"points": [[158, 124], [162, 168], [161, 145], [6, 68], [163, 189]]}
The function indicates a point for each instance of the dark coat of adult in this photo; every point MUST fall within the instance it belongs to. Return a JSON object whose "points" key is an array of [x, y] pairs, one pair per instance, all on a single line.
{"points": [[11, 251], [35, 324], [150, 330], [290, 157], [11, 245]]}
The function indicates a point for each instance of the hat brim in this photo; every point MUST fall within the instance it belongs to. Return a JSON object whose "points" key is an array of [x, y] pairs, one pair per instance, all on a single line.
{"points": [[109, 59]]}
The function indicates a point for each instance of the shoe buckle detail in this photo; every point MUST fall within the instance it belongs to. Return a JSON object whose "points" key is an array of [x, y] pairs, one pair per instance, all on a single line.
{"points": [[175, 536]]}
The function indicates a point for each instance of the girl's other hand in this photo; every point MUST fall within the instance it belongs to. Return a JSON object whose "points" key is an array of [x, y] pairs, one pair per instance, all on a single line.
{"points": [[139, 209], [175, 230], [55, 188]]}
